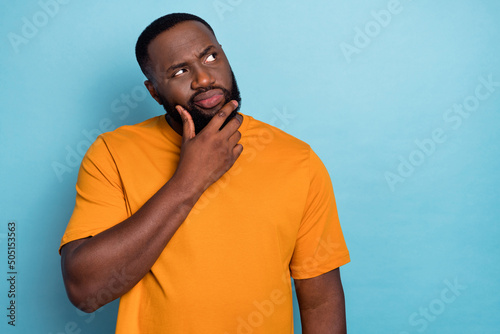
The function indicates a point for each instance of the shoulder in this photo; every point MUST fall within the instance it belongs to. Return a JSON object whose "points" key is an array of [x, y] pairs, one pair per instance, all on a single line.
{"points": [[279, 154], [125, 137], [266, 135], [146, 128], [283, 147]]}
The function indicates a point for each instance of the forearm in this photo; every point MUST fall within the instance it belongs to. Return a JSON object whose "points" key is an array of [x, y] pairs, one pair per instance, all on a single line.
{"points": [[100, 269]]}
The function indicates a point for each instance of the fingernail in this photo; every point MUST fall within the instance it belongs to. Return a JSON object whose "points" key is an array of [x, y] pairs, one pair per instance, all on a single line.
{"points": [[235, 103]]}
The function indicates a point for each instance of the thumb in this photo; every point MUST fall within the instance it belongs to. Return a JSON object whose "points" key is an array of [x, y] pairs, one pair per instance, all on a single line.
{"points": [[188, 131]]}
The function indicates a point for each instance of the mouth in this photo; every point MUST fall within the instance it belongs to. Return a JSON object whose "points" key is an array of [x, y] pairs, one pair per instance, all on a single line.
{"points": [[209, 99]]}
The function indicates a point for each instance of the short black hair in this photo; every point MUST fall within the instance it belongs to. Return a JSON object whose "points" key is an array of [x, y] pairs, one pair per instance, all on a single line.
{"points": [[153, 30]]}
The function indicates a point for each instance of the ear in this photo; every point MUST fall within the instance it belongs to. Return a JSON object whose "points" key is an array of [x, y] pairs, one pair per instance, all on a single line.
{"points": [[152, 91]]}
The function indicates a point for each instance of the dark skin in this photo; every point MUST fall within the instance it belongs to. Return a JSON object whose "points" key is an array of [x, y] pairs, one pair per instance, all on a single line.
{"points": [[183, 59], [321, 304]]}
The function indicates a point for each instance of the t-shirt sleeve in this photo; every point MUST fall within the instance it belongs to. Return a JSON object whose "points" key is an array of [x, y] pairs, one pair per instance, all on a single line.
{"points": [[320, 245], [100, 200]]}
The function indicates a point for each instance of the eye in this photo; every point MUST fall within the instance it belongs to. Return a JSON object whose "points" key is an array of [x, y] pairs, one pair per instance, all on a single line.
{"points": [[179, 72], [211, 58]]}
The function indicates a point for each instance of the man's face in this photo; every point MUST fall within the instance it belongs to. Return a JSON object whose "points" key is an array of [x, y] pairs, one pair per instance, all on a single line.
{"points": [[190, 69]]}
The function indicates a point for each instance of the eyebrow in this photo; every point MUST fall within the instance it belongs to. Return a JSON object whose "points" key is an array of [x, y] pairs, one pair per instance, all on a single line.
{"points": [[184, 64], [206, 51]]}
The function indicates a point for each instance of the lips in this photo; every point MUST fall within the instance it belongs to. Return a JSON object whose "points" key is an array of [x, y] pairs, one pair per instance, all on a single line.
{"points": [[209, 99]]}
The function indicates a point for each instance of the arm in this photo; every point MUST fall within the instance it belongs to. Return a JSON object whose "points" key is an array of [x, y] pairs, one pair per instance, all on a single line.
{"points": [[102, 268], [321, 304]]}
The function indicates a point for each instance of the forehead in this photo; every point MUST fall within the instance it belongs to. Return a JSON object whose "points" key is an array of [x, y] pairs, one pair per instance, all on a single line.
{"points": [[179, 43]]}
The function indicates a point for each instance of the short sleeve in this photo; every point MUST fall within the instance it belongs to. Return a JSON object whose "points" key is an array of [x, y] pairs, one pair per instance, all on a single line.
{"points": [[100, 200], [320, 246]]}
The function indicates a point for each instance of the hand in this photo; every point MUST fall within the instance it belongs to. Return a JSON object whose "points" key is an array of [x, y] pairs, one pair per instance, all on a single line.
{"points": [[206, 156]]}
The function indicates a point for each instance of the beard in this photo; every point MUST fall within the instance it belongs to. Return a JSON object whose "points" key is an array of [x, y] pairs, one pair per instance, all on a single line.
{"points": [[199, 116]]}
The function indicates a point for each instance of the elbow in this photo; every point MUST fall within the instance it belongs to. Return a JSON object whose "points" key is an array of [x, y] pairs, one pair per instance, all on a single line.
{"points": [[81, 299], [78, 289], [85, 288], [83, 293]]}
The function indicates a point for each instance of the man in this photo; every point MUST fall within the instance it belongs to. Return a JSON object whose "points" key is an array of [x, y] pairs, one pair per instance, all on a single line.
{"points": [[197, 219]]}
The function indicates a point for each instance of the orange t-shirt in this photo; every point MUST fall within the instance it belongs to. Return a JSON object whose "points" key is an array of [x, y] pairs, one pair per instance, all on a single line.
{"points": [[227, 268]]}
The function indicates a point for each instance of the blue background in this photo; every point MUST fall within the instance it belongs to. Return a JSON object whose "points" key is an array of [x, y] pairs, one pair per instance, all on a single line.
{"points": [[417, 219]]}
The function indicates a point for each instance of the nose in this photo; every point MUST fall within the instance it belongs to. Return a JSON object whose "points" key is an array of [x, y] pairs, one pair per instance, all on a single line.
{"points": [[202, 78]]}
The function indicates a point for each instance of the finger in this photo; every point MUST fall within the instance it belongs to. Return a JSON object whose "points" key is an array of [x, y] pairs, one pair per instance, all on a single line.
{"points": [[219, 119], [232, 126], [237, 151], [234, 139], [188, 131]]}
